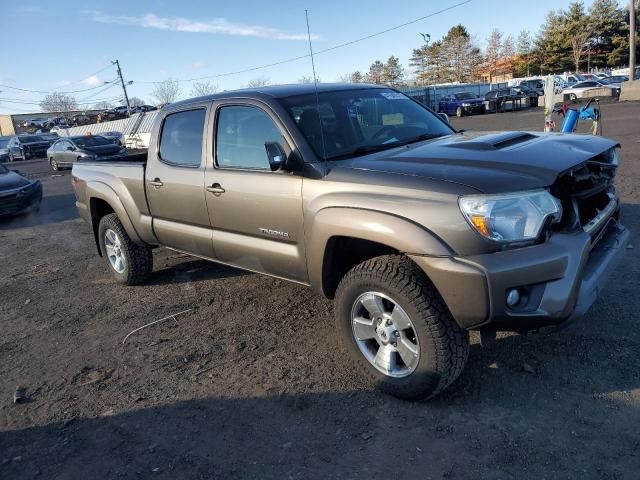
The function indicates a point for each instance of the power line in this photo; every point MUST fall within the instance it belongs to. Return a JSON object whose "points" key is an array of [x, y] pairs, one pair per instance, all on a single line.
{"points": [[319, 52], [61, 91]]}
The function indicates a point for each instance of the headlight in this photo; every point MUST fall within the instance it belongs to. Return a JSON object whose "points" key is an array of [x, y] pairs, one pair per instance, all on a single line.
{"points": [[511, 217], [466, 104]]}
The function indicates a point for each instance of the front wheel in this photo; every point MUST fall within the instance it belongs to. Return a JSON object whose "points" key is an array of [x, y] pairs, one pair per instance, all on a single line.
{"points": [[398, 330], [130, 263], [459, 112], [54, 165]]}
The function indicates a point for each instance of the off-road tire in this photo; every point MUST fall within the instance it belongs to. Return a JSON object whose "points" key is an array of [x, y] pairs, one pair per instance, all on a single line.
{"points": [[139, 259], [459, 112], [444, 346]]}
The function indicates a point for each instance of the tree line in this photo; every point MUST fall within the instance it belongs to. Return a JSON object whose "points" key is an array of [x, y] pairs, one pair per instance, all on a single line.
{"points": [[574, 39]]}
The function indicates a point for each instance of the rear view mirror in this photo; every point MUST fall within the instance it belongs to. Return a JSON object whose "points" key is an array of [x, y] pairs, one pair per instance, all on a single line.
{"points": [[444, 116], [276, 154]]}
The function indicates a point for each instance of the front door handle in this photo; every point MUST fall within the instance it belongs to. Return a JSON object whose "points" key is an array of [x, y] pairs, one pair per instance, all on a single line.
{"points": [[156, 182], [216, 189]]}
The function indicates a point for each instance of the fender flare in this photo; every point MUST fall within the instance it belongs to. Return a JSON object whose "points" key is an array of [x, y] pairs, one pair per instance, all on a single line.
{"points": [[102, 191], [384, 228]]}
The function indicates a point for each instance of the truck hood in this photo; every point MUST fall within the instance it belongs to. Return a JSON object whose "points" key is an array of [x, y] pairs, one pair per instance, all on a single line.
{"points": [[11, 180], [490, 162]]}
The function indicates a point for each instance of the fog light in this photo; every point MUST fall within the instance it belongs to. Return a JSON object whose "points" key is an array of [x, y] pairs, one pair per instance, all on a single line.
{"points": [[513, 297]]}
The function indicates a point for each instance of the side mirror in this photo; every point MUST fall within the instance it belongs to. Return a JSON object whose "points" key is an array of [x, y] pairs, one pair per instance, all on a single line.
{"points": [[444, 116], [276, 154]]}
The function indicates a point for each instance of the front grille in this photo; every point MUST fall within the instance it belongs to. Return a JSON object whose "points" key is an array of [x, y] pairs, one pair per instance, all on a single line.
{"points": [[587, 195]]}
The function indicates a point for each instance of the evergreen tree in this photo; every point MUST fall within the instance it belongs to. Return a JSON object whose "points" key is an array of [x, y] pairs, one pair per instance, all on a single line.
{"points": [[392, 71], [375, 73]]}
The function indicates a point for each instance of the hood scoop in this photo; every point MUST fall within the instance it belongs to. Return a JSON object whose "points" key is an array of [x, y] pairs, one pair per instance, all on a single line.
{"points": [[494, 142]]}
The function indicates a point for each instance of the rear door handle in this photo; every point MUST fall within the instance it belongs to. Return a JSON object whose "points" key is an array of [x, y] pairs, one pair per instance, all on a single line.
{"points": [[216, 189], [156, 182]]}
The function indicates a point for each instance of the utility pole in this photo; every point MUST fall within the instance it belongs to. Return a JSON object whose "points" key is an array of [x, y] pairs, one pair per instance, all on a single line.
{"points": [[426, 37], [632, 40], [124, 87]]}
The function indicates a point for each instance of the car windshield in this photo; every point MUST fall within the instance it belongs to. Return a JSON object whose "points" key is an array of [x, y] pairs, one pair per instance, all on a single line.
{"points": [[31, 139], [464, 96], [90, 141], [360, 121], [3, 142]]}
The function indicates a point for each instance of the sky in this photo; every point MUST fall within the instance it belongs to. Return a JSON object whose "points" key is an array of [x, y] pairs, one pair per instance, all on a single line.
{"points": [[68, 45]]}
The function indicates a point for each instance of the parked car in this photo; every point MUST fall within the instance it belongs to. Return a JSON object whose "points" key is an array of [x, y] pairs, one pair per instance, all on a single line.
{"points": [[530, 97], [68, 150], [581, 87], [536, 84], [50, 137], [114, 136], [34, 123], [462, 103], [4, 149], [615, 80], [26, 147], [54, 121], [58, 129], [600, 75], [496, 100], [83, 119], [142, 108], [418, 232], [18, 194]]}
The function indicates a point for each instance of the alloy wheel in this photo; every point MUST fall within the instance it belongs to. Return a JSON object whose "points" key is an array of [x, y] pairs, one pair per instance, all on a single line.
{"points": [[385, 334], [115, 254]]}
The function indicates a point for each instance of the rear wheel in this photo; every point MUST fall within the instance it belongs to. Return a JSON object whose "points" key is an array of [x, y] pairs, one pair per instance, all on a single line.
{"points": [[398, 330], [130, 263]]}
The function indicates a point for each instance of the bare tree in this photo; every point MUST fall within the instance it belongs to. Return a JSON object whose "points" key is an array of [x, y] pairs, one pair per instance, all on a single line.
{"points": [[103, 106], [135, 101], [493, 52], [200, 89], [59, 102], [356, 77], [166, 91], [345, 77], [580, 44], [258, 82], [305, 79]]}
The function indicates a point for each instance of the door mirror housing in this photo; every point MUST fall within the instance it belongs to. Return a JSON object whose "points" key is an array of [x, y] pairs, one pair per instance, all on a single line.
{"points": [[276, 154], [444, 117]]}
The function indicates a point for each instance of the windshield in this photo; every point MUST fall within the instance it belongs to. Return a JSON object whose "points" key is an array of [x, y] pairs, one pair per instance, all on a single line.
{"points": [[463, 96], [31, 139], [90, 141], [356, 122], [3, 143]]}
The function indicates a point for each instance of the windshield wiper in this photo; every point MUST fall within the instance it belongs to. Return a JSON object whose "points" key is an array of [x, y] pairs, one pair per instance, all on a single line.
{"points": [[363, 151], [420, 138]]}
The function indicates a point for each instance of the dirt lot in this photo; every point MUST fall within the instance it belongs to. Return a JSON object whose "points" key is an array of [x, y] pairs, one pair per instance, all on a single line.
{"points": [[251, 382]]}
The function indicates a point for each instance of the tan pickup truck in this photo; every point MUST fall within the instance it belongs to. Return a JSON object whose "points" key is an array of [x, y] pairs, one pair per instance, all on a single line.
{"points": [[420, 233]]}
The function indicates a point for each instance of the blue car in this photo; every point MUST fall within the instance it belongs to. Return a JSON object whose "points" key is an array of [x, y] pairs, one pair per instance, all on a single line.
{"points": [[462, 103]]}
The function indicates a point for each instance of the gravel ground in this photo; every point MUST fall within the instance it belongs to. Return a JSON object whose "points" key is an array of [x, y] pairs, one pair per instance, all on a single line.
{"points": [[251, 382]]}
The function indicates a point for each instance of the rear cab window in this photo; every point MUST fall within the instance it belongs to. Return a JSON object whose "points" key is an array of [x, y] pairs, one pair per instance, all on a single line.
{"points": [[181, 138]]}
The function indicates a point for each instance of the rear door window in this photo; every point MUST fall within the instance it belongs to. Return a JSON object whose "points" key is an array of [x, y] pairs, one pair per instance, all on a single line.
{"points": [[181, 138]]}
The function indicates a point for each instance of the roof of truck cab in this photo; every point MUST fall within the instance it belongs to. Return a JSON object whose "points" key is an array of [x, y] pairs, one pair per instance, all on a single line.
{"points": [[279, 91]]}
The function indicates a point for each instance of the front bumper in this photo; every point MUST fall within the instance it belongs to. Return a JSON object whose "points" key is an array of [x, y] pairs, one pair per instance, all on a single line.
{"points": [[16, 202], [560, 279], [474, 108]]}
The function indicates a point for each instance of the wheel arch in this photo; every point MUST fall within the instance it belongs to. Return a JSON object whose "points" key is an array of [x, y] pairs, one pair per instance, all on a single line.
{"points": [[103, 201], [341, 238]]}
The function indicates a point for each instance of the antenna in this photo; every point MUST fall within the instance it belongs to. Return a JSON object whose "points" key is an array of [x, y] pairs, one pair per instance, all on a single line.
{"points": [[315, 85]]}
